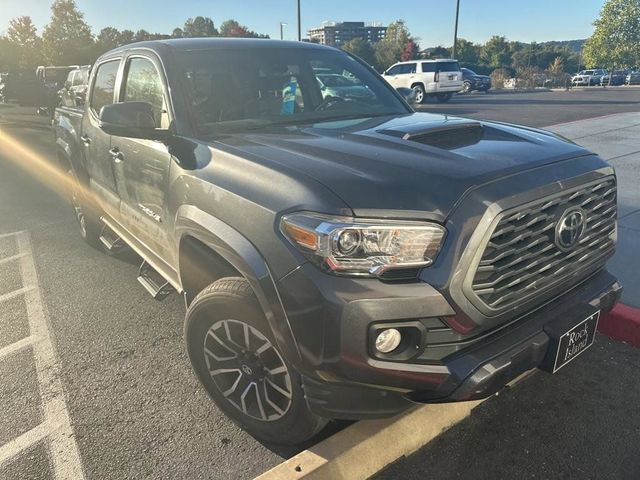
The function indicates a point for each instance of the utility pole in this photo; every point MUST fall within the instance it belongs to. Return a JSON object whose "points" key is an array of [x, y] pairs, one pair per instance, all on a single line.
{"points": [[299, 23], [282, 24], [455, 30]]}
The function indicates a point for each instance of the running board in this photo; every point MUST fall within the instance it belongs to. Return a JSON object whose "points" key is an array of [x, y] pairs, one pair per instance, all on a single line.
{"points": [[153, 282], [111, 242]]}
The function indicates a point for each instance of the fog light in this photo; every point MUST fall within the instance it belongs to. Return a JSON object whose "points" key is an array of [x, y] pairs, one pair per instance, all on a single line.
{"points": [[388, 340]]}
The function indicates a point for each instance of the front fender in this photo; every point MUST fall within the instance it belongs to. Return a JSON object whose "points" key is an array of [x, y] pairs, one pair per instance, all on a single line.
{"points": [[239, 252]]}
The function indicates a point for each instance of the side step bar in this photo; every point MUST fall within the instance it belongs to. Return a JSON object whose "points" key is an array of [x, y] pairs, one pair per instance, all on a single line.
{"points": [[111, 242], [153, 282]]}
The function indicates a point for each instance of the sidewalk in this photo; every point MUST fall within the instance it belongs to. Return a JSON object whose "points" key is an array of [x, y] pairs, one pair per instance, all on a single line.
{"points": [[616, 138]]}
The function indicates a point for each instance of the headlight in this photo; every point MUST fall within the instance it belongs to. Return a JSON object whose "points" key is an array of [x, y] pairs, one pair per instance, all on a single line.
{"points": [[350, 246]]}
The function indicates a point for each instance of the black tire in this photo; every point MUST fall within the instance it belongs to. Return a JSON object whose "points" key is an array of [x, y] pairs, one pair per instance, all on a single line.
{"points": [[228, 308], [421, 96], [466, 87], [87, 220], [444, 97]]}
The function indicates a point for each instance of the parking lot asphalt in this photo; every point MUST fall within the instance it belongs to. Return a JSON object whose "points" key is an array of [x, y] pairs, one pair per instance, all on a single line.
{"points": [[540, 109], [137, 411]]}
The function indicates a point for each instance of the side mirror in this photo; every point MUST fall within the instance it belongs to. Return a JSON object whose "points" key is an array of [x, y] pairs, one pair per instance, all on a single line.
{"points": [[409, 95], [132, 120]]}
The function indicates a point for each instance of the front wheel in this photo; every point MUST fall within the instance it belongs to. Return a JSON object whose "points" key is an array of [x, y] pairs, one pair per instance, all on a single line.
{"points": [[88, 225], [466, 86], [444, 97], [236, 359]]}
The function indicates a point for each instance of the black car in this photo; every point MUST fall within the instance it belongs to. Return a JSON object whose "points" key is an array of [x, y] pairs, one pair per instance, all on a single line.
{"points": [[633, 78], [339, 258], [472, 81], [617, 78]]}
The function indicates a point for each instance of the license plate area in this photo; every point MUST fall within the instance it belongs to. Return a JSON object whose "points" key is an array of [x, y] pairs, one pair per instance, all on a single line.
{"points": [[569, 338]]}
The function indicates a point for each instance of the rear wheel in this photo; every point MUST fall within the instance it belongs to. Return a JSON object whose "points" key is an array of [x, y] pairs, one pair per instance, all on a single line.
{"points": [[236, 359], [444, 97], [420, 95]]}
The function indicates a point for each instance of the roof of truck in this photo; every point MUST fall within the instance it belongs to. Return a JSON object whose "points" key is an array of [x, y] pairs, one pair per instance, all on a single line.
{"points": [[186, 44]]}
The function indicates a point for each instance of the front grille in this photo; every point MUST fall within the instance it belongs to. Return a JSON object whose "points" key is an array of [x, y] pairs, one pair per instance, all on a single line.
{"points": [[521, 259]]}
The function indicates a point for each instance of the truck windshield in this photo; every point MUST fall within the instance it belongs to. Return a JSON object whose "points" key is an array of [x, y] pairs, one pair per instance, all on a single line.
{"points": [[239, 89]]}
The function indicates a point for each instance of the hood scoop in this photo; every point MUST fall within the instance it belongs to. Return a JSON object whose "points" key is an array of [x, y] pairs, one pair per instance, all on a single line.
{"points": [[448, 135]]}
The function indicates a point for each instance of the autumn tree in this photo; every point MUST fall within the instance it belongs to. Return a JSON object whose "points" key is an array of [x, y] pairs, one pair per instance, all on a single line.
{"points": [[616, 39], [231, 28], [390, 49], [67, 39]]}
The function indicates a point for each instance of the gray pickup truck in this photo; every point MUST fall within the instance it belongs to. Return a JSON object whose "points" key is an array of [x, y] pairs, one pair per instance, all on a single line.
{"points": [[341, 256]]}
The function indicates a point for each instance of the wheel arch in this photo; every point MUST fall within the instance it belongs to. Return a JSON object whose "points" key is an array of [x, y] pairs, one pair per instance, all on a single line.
{"points": [[210, 249]]}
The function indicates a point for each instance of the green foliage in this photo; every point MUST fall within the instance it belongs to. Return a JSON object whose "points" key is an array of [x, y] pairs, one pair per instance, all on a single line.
{"points": [[361, 48], [67, 38], [467, 53], [616, 39], [397, 44], [496, 53], [22, 38], [198, 27], [231, 28]]}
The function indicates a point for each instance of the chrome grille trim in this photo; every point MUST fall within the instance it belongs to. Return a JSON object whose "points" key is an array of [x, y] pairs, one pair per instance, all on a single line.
{"points": [[521, 260]]}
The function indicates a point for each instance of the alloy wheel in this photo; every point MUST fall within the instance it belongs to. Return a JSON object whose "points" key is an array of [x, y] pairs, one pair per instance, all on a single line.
{"points": [[248, 370]]}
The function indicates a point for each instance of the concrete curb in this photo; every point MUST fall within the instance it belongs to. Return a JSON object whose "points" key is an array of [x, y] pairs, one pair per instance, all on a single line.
{"points": [[623, 324], [365, 448]]}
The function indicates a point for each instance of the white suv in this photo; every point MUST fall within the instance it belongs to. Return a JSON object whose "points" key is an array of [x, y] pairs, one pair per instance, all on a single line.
{"points": [[440, 78]]}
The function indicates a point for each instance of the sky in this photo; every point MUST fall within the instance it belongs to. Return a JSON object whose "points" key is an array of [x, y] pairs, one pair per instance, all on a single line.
{"points": [[429, 20]]}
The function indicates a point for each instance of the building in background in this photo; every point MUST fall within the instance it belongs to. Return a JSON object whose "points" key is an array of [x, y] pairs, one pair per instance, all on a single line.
{"points": [[339, 33]]}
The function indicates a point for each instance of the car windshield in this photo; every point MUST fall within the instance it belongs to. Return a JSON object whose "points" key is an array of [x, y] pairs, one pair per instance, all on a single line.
{"points": [[470, 72], [239, 89]]}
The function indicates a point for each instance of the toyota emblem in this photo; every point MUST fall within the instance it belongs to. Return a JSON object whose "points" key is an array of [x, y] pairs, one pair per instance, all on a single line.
{"points": [[570, 228]]}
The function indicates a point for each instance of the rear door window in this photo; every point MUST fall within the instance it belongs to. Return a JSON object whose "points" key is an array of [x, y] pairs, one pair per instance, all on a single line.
{"points": [[448, 67], [104, 85]]}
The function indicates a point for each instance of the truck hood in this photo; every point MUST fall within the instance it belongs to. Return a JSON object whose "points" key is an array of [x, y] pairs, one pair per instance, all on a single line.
{"points": [[419, 164]]}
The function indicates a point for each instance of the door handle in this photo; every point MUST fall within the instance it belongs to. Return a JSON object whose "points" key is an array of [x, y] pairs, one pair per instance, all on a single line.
{"points": [[116, 154], [86, 141]]}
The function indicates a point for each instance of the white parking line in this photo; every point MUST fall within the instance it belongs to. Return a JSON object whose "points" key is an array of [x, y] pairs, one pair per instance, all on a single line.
{"points": [[24, 441], [64, 450], [12, 258], [19, 345], [15, 293]]}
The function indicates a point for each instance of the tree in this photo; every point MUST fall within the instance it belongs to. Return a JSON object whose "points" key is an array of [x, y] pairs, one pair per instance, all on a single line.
{"points": [[496, 53], [177, 33], [23, 38], [127, 37], [616, 39], [361, 48], [468, 53], [199, 27], [67, 39], [410, 51], [231, 28], [9, 55], [396, 41], [108, 39], [141, 36]]}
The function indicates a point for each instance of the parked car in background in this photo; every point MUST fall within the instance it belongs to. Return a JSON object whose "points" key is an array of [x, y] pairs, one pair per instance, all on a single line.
{"points": [[472, 81], [428, 78], [51, 79], [617, 77], [74, 90], [633, 78], [341, 86], [587, 78]]}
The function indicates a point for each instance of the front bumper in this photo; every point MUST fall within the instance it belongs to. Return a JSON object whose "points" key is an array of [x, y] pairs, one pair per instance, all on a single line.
{"points": [[330, 318]]}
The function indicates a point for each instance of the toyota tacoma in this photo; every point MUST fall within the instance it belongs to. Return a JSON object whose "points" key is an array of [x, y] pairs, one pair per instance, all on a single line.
{"points": [[340, 255]]}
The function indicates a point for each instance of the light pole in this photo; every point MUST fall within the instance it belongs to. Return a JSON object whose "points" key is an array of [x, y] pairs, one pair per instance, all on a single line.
{"points": [[282, 24], [455, 31], [299, 23]]}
